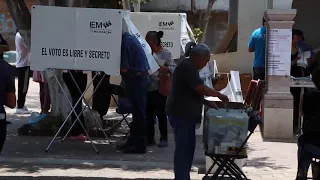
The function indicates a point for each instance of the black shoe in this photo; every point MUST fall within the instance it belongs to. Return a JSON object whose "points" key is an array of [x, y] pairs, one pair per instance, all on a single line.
{"points": [[151, 143], [134, 150], [123, 146]]}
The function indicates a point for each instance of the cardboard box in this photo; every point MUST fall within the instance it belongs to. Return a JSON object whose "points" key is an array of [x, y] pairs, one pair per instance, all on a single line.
{"points": [[245, 79]]}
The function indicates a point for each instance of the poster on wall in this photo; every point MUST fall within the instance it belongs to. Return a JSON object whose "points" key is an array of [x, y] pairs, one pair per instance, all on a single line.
{"points": [[279, 52], [174, 26], [76, 39]]}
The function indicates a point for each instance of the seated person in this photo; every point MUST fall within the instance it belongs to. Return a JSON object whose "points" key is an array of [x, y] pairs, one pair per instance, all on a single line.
{"points": [[309, 142]]}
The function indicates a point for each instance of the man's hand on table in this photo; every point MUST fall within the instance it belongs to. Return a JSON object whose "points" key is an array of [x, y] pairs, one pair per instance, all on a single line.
{"points": [[224, 98], [211, 104]]}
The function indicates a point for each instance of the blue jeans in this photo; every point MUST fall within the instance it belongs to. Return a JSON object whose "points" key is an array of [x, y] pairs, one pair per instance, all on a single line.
{"points": [[185, 142], [136, 88], [305, 155]]}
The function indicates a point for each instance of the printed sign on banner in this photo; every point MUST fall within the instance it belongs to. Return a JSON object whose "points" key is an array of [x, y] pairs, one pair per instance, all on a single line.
{"points": [[76, 39], [134, 31], [279, 54], [170, 23]]}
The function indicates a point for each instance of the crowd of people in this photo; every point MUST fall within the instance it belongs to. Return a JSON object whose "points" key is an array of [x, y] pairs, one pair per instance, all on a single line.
{"points": [[181, 106], [178, 100]]}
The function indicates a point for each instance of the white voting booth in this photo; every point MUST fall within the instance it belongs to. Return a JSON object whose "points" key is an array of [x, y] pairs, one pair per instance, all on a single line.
{"points": [[177, 32], [80, 39]]}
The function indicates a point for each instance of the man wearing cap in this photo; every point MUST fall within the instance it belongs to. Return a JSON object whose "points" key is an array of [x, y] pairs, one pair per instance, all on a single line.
{"points": [[184, 105], [134, 72]]}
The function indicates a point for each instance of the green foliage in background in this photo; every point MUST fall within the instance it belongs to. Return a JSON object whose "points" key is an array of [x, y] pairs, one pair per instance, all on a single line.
{"points": [[197, 32]]}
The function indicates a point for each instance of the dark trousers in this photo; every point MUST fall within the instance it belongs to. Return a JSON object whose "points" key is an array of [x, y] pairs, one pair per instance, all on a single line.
{"points": [[45, 100], [259, 73], [306, 152], [296, 93], [23, 85], [185, 143], [81, 80], [156, 107], [102, 96], [3, 132], [136, 89]]}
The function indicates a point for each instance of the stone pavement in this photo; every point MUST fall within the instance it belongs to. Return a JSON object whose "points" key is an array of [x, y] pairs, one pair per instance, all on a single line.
{"points": [[25, 157]]}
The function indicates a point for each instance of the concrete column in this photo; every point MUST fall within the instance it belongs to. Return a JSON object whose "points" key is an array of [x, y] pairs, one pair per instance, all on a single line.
{"points": [[278, 101], [279, 4]]}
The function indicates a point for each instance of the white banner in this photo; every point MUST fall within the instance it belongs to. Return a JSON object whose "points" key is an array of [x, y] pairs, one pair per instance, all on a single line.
{"points": [[134, 31], [174, 26], [76, 39]]}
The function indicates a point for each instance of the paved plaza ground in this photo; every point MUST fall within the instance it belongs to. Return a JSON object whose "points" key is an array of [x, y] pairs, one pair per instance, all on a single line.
{"points": [[25, 157]]}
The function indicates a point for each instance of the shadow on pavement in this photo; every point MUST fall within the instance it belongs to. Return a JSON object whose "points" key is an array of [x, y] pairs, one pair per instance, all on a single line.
{"points": [[25, 167], [66, 178]]}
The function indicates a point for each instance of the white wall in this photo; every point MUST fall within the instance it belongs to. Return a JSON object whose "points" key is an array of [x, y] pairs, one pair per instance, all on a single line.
{"points": [[183, 5], [250, 18], [307, 20], [282, 4]]}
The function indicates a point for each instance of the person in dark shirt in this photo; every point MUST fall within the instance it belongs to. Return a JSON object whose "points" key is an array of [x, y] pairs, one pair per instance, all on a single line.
{"points": [[134, 72], [184, 106], [309, 142], [79, 80], [7, 96], [102, 96], [296, 71], [4, 47]]}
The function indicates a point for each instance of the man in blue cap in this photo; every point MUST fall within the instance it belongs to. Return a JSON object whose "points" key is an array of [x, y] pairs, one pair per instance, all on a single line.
{"points": [[135, 75]]}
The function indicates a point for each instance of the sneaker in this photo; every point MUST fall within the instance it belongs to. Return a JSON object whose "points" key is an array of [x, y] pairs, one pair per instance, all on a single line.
{"points": [[22, 111], [163, 143], [25, 108]]}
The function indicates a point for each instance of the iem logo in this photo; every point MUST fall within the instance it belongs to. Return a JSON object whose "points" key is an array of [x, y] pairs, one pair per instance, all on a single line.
{"points": [[100, 27], [166, 25]]}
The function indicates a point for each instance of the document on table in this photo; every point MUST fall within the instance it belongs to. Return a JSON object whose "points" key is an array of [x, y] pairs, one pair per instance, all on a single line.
{"points": [[303, 58]]}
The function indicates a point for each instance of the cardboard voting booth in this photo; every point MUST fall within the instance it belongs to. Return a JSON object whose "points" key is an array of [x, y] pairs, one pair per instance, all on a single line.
{"points": [[81, 39], [177, 32]]}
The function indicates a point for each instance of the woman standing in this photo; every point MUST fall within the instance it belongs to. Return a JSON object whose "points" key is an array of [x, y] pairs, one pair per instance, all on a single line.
{"points": [[156, 101], [45, 100]]}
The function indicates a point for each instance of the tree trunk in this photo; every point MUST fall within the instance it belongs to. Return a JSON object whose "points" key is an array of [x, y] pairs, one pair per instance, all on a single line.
{"points": [[206, 19], [136, 5], [126, 4], [193, 7], [22, 19]]}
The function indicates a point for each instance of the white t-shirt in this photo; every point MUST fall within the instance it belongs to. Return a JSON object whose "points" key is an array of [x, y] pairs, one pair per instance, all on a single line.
{"points": [[23, 54]]}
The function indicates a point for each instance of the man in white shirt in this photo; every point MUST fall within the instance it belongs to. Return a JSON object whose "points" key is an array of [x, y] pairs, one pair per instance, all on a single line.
{"points": [[23, 70]]}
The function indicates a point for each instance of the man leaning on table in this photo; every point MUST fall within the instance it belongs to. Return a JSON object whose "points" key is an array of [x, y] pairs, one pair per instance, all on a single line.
{"points": [[184, 105]]}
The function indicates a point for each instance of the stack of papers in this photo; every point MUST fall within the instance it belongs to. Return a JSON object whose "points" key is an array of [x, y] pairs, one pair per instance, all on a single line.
{"points": [[302, 62]]}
